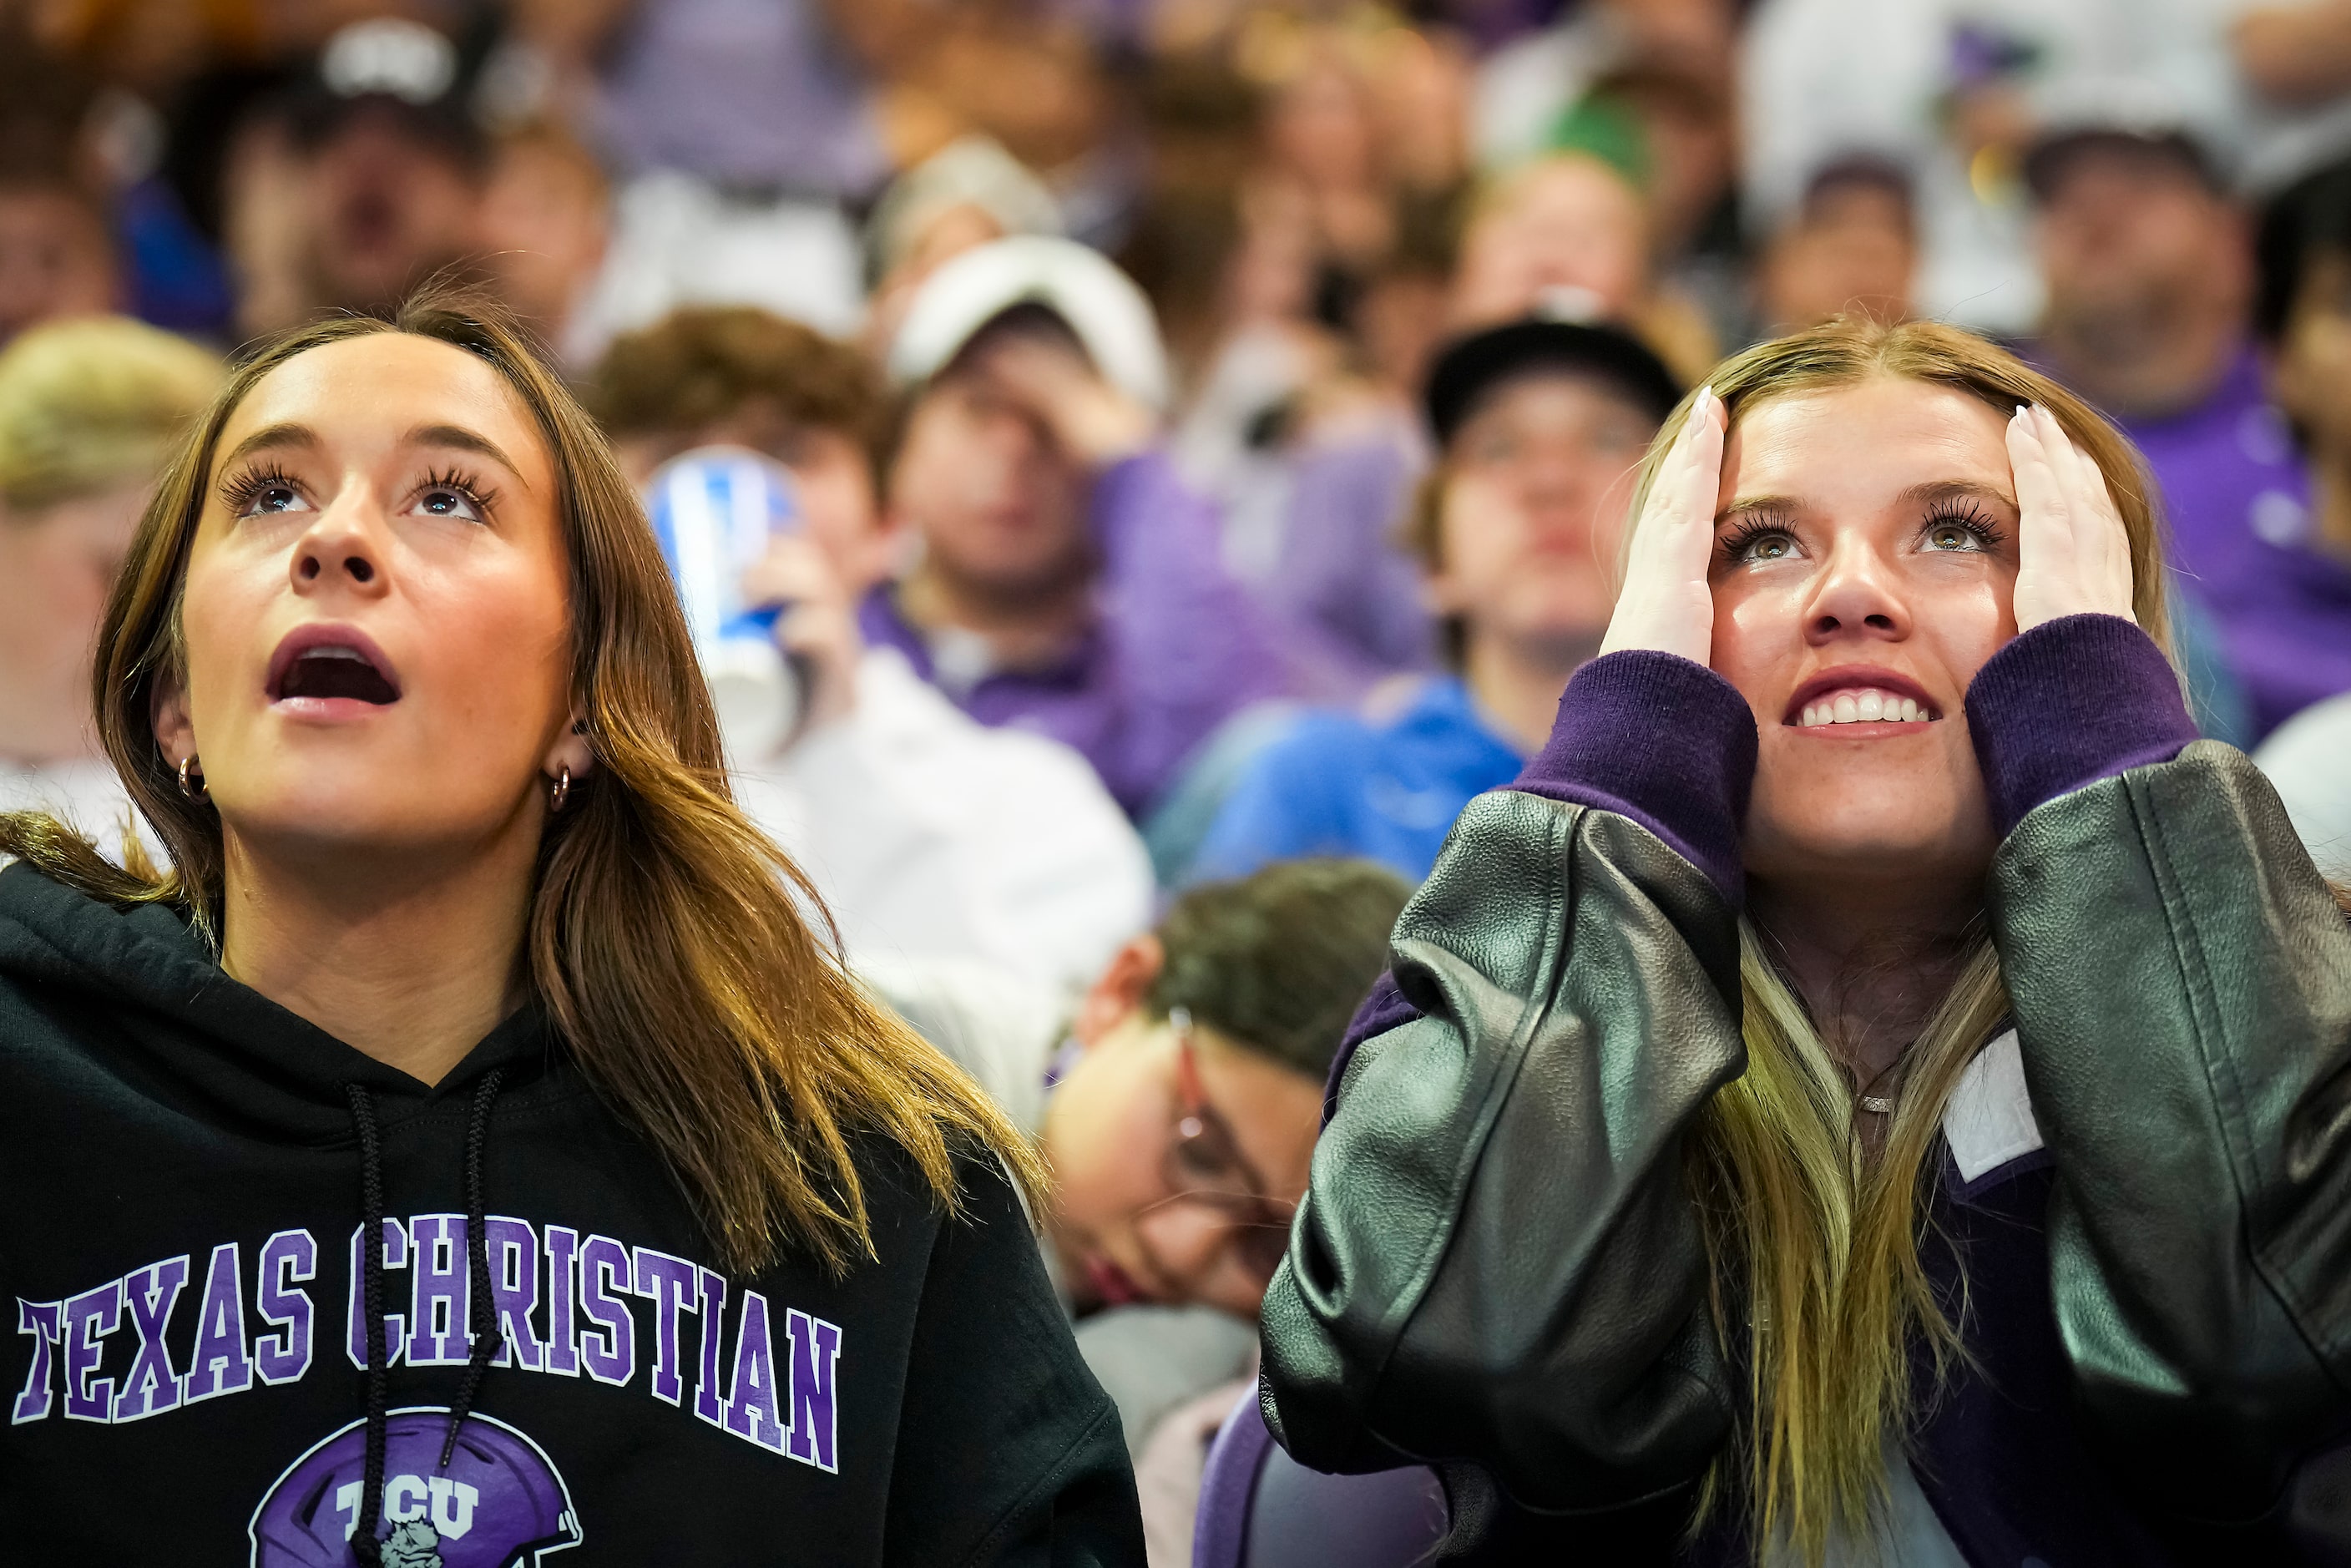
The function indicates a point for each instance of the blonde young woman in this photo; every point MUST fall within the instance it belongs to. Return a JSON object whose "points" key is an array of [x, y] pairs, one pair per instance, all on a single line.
{"points": [[1872, 1091], [467, 1152]]}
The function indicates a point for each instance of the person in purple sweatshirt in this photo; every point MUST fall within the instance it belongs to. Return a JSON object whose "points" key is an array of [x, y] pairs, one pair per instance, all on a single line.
{"points": [[1869, 1092], [2151, 291], [1067, 581]]}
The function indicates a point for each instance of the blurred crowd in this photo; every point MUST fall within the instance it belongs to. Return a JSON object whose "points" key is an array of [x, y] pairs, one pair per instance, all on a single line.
{"points": [[1200, 431]]}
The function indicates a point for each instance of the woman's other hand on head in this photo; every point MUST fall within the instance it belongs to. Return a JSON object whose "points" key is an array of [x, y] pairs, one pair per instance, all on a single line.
{"points": [[1666, 603], [2074, 554]]}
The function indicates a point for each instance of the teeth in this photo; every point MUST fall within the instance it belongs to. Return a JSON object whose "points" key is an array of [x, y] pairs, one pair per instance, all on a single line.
{"points": [[335, 650], [1862, 706]]}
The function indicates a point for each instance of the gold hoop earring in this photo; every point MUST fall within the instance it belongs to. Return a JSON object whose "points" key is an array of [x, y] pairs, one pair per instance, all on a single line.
{"points": [[560, 791], [196, 789]]}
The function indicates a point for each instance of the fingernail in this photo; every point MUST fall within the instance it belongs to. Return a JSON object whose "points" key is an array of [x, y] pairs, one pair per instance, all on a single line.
{"points": [[2022, 410]]}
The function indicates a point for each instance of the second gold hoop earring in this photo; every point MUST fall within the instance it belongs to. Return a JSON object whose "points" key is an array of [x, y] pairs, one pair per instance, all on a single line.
{"points": [[193, 788], [560, 791]]}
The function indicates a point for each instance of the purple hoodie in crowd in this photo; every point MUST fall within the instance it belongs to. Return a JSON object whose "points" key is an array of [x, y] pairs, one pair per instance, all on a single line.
{"points": [[1176, 648], [2238, 502]]}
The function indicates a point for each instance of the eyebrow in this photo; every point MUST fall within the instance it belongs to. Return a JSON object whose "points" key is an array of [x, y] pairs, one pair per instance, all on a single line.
{"points": [[1935, 492], [271, 438], [457, 437]]}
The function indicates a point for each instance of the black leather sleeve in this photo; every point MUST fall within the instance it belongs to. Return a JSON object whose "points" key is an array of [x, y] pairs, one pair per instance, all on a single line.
{"points": [[2182, 986], [1497, 1259]]}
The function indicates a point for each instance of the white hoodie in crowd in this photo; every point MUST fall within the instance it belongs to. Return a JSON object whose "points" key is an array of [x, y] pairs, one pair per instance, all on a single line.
{"points": [[931, 837]]}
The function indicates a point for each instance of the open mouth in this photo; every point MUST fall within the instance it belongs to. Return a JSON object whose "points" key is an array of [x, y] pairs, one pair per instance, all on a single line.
{"points": [[331, 664]]}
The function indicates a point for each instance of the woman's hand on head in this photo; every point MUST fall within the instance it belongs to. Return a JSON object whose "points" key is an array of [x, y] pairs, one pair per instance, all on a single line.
{"points": [[1667, 603], [2074, 556]]}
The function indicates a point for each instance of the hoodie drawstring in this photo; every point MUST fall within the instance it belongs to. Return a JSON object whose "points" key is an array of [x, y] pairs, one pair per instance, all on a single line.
{"points": [[480, 1311], [363, 1541]]}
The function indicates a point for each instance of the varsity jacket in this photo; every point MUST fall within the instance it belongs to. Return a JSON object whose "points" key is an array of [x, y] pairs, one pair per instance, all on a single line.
{"points": [[2140, 1218]]}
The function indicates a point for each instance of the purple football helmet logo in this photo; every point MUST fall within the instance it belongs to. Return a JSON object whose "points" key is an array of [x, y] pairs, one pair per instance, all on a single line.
{"points": [[500, 1503]]}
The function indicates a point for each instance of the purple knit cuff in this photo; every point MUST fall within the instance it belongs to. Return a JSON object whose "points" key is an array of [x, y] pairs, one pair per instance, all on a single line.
{"points": [[1667, 742], [2072, 701]]}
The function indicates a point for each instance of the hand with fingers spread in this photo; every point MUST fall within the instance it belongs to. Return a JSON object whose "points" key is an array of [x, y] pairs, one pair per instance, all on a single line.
{"points": [[1667, 603], [2074, 554]]}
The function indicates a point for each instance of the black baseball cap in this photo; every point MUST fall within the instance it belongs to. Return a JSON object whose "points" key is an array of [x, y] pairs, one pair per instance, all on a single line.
{"points": [[412, 75], [1469, 367]]}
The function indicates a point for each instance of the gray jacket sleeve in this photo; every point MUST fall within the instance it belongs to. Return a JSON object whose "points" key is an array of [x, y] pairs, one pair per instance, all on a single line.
{"points": [[1497, 1259], [2182, 986]]}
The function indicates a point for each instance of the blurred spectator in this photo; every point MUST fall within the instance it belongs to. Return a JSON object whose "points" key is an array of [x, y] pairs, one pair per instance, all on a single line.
{"points": [[929, 837], [1955, 91], [545, 222], [1068, 581], [1568, 236], [387, 169], [1177, 1107], [2150, 276], [1542, 426], [1852, 246], [56, 256], [736, 130], [2286, 588], [89, 411], [963, 196]]}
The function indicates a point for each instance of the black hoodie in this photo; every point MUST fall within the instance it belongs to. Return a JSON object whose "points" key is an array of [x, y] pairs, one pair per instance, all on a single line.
{"points": [[187, 1169]]}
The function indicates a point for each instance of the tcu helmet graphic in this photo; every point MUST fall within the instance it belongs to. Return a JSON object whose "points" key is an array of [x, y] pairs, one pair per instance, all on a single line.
{"points": [[500, 1504]]}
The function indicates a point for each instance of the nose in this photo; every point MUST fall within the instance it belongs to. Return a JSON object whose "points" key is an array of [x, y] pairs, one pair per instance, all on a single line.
{"points": [[1857, 597], [343, 550], [1182, 1239]]}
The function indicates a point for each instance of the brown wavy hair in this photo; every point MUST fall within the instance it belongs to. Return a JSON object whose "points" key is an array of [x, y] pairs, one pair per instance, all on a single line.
{"points": [[683, 958]]}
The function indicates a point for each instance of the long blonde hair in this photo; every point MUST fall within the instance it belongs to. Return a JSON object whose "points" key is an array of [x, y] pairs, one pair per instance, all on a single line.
{"points": [[666, 938], [1815, 1246]]}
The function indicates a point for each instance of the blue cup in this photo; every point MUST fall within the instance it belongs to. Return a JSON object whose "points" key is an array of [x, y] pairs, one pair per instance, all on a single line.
{"points": [[715, 511]]}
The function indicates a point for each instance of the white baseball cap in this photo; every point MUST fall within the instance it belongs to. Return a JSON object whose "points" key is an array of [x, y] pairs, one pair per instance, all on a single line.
{"points": [[1100, 304]]}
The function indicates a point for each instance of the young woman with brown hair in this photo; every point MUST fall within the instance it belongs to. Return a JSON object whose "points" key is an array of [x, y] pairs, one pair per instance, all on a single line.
{"points": [[1871, 1091], [467, 1150]]}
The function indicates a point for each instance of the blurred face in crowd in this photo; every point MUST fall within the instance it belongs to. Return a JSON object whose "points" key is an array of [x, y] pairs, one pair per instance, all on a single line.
{"points": [[1537, 480], [999, 504], [380, 527], [1177, 1155], [1568, 225], [389, 205], [1319, 125], [1865, 570], [1852, 250], [544, 220], [2130, 232], [55, 257], [56, 566]]}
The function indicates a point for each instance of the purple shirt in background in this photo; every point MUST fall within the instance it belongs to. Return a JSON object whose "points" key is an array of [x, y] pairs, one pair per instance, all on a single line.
{"points": [[1178, 646], [1347, 598], [2238, 501], [755, 93]]}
